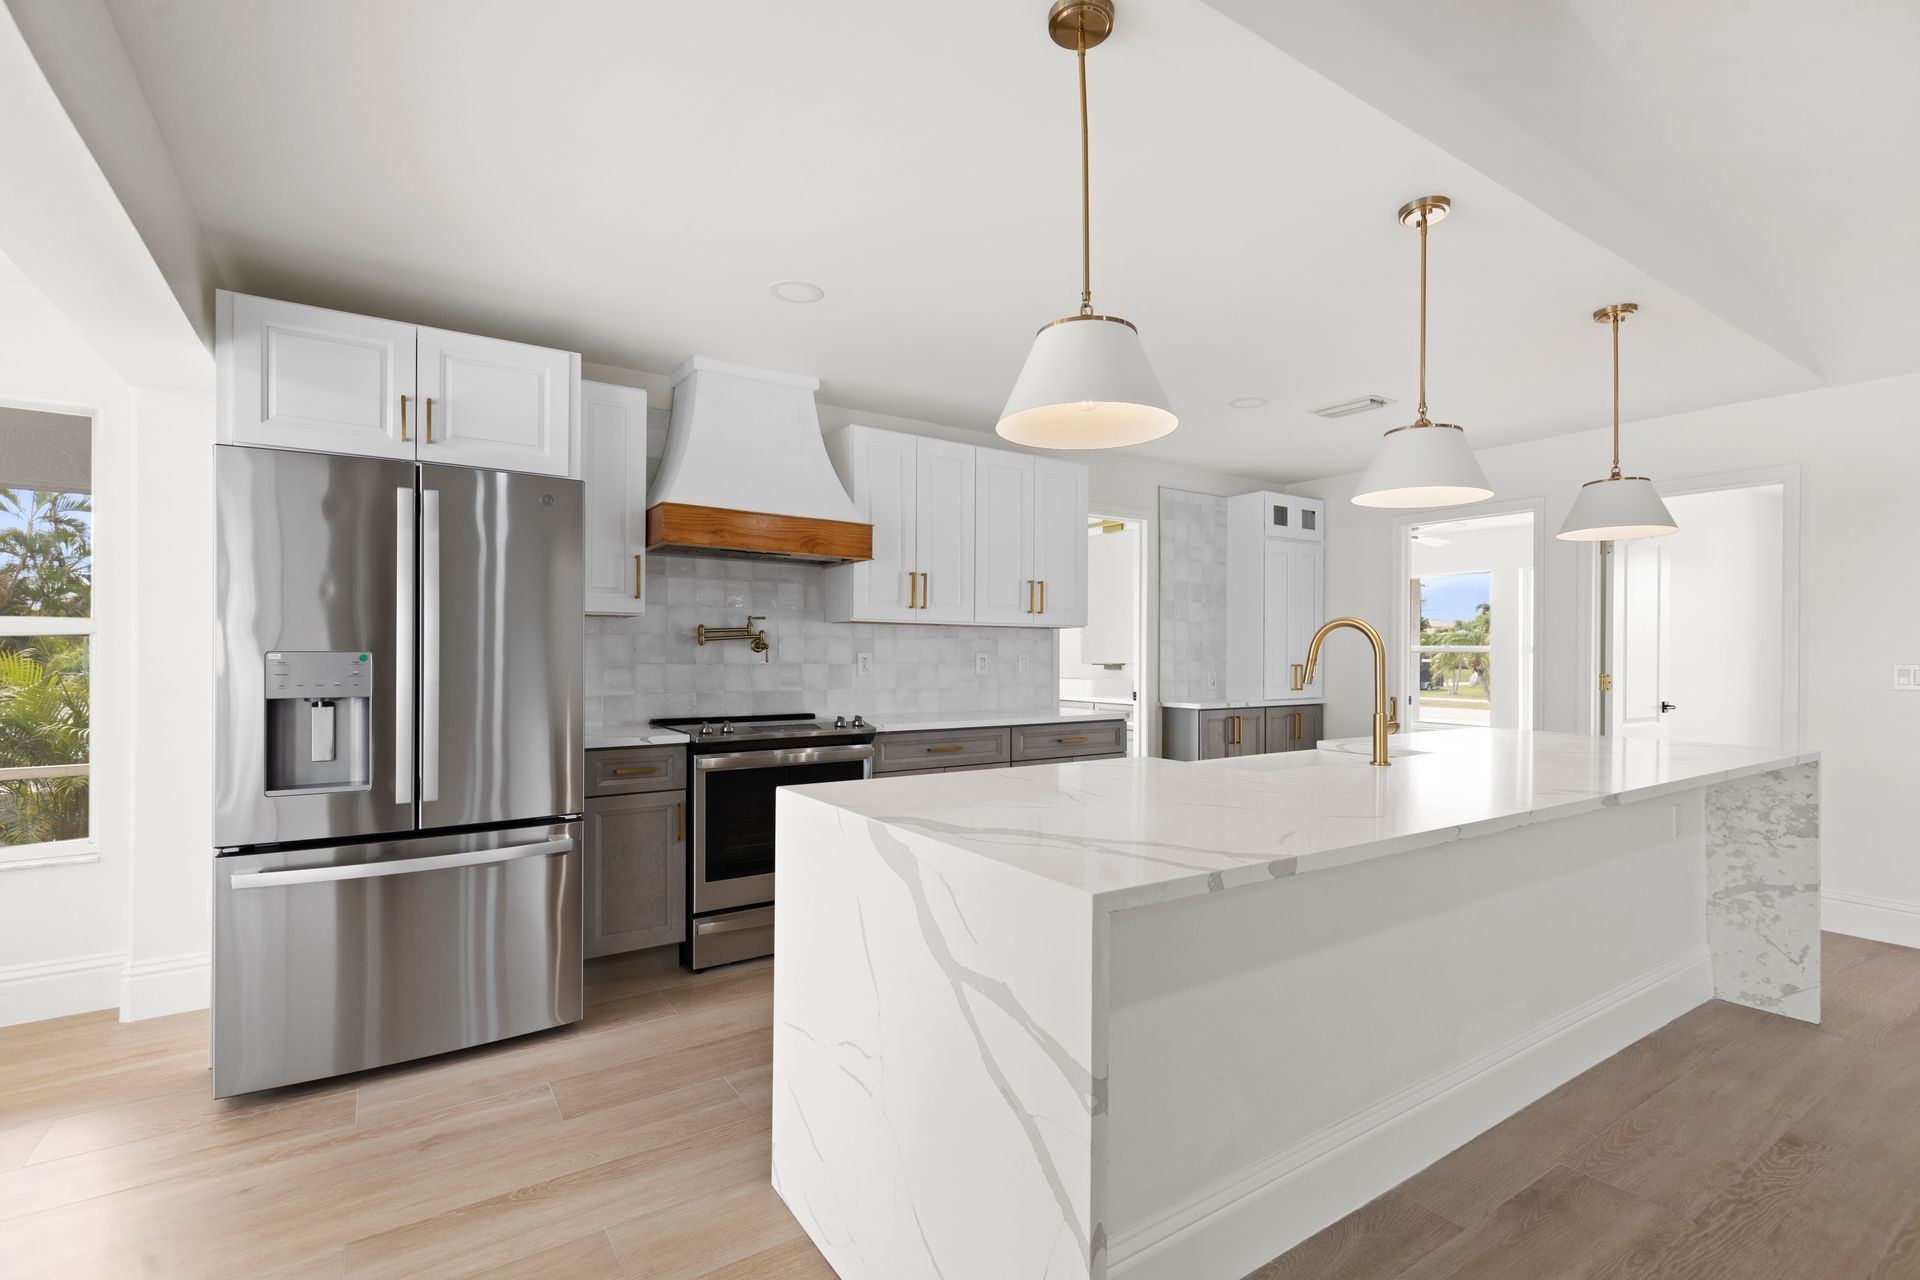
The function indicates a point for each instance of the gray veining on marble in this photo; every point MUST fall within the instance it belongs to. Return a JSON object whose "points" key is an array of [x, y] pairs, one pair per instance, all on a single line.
{"points": [[1763, 890]]}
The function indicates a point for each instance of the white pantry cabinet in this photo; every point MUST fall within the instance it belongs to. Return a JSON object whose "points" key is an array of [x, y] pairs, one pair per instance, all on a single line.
{"points": [[918, 494], [613, 454], [1031, 541], [299, 377], [1276, 594]]}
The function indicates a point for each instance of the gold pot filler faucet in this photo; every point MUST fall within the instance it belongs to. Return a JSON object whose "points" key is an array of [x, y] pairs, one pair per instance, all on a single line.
{"points": [[1386, 711]]}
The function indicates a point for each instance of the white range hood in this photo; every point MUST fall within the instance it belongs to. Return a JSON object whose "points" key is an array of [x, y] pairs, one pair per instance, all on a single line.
{"points": [[746, 473]]}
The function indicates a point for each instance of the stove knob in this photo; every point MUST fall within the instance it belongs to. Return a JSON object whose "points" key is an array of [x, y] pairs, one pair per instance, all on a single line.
{"points": [[726, 726], [839, 722], [858, 723], [705, 729]]}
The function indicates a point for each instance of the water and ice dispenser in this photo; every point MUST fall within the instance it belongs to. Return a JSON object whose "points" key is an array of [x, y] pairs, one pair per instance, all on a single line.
{"points": [[319, 722]]}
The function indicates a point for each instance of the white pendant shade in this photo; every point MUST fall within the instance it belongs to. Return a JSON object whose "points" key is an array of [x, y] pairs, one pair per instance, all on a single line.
{"points": [[1086, 385], [1423, 467], [1616, 509]]}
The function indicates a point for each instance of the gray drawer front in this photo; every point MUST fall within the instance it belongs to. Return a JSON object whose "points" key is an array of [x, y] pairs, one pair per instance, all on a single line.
{"points": [[613, 771], [927, 749], [1034, 742]]}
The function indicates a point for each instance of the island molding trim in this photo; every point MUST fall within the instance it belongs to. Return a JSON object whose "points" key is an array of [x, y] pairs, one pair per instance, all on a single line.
{"points": [[1403, 1134]]}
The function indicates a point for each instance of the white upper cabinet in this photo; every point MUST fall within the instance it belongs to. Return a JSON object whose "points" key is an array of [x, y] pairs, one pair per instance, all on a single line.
{"points": [[300, 377], [1005, 589], [943, 530], [490, 403], [297, 377], [1060, 541], [613, 452], [1276, 594], [880, 470]]}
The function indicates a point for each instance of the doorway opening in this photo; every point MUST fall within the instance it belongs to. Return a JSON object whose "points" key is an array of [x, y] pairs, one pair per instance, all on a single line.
{"points": [[1101, 666], [1696, 628], [1468, 620]]}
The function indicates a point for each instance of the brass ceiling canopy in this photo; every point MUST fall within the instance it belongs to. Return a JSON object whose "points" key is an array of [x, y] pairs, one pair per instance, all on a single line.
{"points": [[1433, 208], [1080, 24]]}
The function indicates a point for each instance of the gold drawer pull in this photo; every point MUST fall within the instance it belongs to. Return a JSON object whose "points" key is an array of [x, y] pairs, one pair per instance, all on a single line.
{"points": [[1064, 741], [638, 578], [937, 750], [628, 773], [403, 420], [913, 591], [429, 419]]}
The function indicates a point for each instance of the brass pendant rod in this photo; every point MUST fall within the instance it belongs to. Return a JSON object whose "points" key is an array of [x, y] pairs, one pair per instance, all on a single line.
{"points": [[1423, 316], [1086, 197], [1616, 395]]}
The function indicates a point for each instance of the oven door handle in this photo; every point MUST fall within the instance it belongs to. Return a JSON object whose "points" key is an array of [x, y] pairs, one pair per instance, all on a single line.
{"points": [[779, 757]]}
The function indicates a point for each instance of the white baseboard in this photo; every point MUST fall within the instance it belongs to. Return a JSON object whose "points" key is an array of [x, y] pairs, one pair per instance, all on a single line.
{"points": [[57, 988], [1882, 919], [167, 984], [1240, 1222]]}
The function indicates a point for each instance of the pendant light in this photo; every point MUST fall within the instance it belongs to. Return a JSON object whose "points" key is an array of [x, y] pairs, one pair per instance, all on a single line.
{"points": [[1615, 508], [1086, 383], [1425, 463]]}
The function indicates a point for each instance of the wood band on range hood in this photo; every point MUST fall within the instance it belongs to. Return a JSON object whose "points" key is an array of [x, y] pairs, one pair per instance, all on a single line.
{"points": [[717, 531]]}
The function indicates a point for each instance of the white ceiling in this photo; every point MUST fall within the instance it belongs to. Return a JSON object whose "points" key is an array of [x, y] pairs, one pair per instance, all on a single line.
{"points": [[627, 178]]}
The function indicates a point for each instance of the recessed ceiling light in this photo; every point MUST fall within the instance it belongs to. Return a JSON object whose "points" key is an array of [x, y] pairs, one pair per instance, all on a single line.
{"points": [[796, 291], [1246, 402]]}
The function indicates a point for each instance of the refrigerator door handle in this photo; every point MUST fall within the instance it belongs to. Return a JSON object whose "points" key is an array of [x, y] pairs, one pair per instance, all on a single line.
{"points": [[400, 866], [403, 686], [429, 645]]}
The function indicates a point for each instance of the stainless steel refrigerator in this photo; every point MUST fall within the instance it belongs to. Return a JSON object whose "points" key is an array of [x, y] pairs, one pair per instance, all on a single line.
{"points": [[398, 781]]}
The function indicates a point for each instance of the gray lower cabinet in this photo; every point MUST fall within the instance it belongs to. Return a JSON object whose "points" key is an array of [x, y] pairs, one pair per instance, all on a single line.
{"points": [[1295, 728], [636, 871], [905, 753]]}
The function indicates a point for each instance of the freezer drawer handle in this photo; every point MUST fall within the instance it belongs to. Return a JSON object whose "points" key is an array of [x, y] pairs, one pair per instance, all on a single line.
{"points": [[734, 922], [400, 867]]}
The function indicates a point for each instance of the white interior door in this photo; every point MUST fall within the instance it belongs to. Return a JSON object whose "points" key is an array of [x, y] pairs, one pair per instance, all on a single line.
{"points": [[943, 532], [1640, 579], [613, 450], [1003, 539], [491, 403], [1060, 541], [308, 378]]}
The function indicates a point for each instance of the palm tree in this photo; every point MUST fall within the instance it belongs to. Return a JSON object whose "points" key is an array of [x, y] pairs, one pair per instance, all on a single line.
{"points": [[46, 570]]}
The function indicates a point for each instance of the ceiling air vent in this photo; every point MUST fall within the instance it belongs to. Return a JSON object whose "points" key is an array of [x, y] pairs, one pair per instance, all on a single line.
{"points": [[1347, 408]]}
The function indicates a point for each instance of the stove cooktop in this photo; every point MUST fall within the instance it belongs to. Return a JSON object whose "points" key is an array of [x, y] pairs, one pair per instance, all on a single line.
{"points": [[709, 733]]}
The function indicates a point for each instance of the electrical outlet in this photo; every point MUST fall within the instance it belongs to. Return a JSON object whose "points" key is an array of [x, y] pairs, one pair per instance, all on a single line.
{"points": [[863, 665], [1213, 680], [1906, 678], [1025, 662], [979, 664]]}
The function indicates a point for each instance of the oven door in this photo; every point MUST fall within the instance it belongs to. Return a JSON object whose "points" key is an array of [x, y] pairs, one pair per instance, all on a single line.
{"points": [[733, 815]]}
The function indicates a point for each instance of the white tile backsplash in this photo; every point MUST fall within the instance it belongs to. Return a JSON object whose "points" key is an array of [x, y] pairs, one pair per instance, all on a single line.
{"points": [[641, 667], [1193, 595]]}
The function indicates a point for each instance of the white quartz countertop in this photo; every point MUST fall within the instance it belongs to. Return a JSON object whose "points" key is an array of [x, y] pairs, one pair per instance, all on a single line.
{"points": [[642, 735], [1132, 831], [1229, 706], [986, 719]]}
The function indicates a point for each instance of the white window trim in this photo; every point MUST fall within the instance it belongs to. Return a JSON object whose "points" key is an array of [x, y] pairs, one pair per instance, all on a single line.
{"points": [[51, 853]]}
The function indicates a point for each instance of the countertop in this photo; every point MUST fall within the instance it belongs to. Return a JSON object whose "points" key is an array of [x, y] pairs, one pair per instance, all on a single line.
{"points": [[1302, 700], [643, 735], [1127, 832], [986, 719]]}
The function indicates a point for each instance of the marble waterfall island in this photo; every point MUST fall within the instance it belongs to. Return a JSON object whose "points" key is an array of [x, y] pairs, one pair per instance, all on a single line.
{"points": [[1146, 1019]]}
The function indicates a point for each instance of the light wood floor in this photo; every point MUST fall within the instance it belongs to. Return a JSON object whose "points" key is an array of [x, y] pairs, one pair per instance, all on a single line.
{"points": [[634, 1147]]}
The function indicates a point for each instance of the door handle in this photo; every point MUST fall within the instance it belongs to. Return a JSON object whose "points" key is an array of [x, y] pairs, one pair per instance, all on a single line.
{"points": [[1296, 726], [1043, 595], [1666, 707], [403, 419], [400, 866], [429, 419], [680, 821], [429, 644], [938, 750], [638, 578], [1030, 608], [629, 773], [926, 590], [1065, 741], [913, 590], [404, 579]]}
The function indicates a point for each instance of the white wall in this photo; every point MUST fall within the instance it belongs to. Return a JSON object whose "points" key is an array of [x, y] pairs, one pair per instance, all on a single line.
{"points": [[1856, 456], [1722, 649]]}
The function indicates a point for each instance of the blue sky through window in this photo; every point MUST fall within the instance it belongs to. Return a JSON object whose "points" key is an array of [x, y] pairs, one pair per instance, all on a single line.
{"points": [[1452, 597]]}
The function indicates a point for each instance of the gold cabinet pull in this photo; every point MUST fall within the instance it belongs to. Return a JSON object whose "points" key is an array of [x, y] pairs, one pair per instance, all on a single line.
{"points": [[926, 590], [638, 580], [680, 821], [403, 419], [938, 750], [1065, 741], [630, 773], [1296, 726], [1030, 608], [1043, 595], [1233, 731], [913, 591], [429, 419]]}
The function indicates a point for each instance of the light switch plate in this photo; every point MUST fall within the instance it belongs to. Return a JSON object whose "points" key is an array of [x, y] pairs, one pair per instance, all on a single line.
{"points": [[1024, 664], [1213, 680], [979, 664], [1906, 678], [863, 665]]}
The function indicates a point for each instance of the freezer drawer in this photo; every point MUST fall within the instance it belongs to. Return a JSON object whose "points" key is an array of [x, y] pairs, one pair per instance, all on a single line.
{"points": [[338, 959]]}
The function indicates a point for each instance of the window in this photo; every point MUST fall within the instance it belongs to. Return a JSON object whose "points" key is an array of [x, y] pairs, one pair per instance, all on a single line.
{"points": [[1453, 647], [46, 627]]}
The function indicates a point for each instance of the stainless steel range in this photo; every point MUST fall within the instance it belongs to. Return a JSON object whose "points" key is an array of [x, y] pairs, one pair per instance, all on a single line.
{"points": [[738, 764]]}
